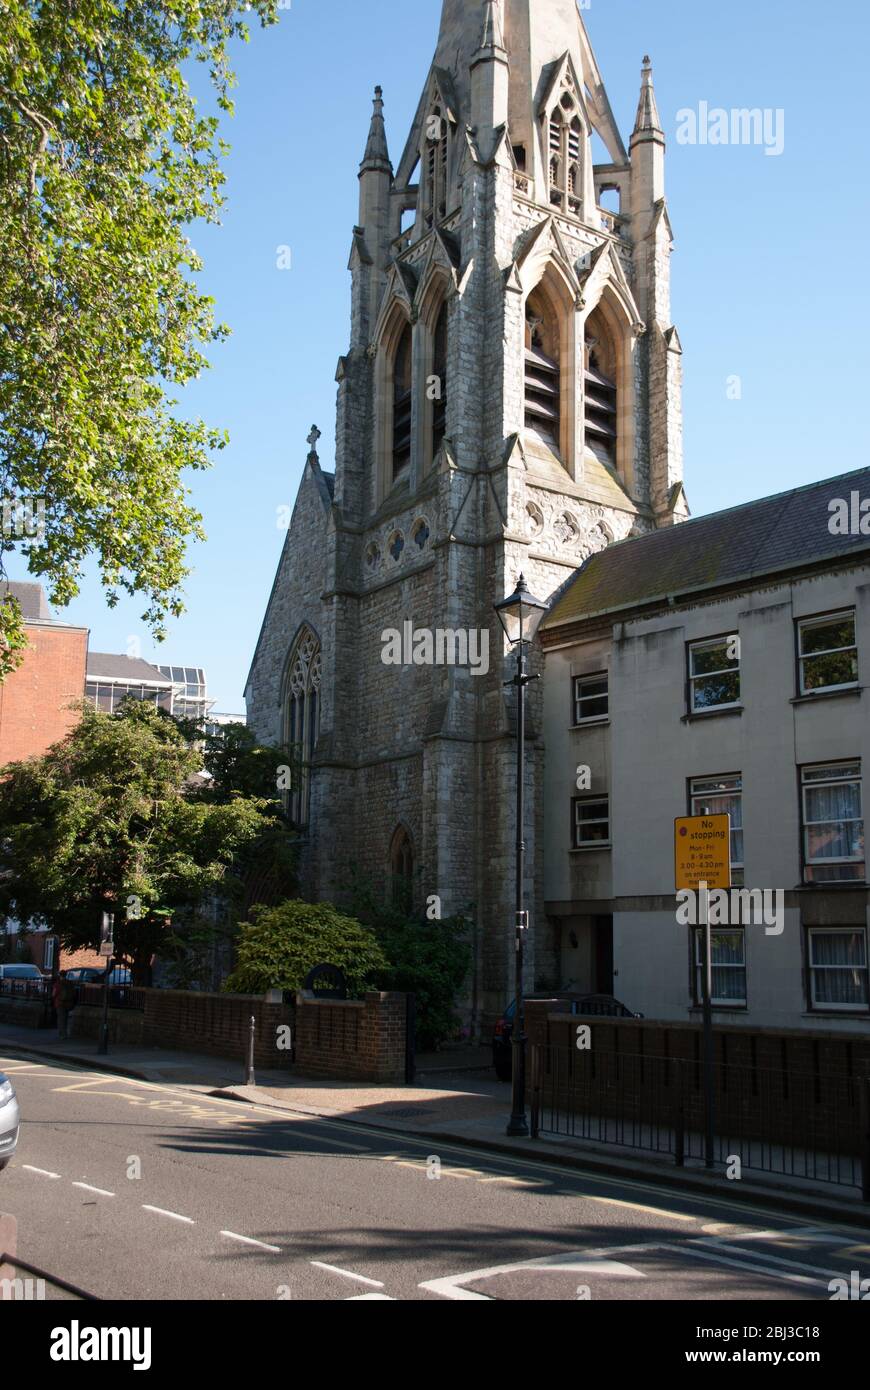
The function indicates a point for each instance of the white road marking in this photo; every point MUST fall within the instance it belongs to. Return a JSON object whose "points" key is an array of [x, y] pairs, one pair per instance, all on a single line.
{"points": [[159, 1211], [368, 1297], [717, 1245], [746, 1266], [452, 1286], [100, 1191], [248, 1240], [43, 1172], [637, 1206], [348, 1274]]}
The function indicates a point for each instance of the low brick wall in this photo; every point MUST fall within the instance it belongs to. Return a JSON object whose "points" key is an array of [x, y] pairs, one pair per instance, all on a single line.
{"points": [[357, 1040], [125, 1025], [24, 1013], [774, 1085], [218, 1024]]}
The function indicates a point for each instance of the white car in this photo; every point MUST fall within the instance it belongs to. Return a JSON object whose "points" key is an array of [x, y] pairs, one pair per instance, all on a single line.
{"points": [[10, 1117]]}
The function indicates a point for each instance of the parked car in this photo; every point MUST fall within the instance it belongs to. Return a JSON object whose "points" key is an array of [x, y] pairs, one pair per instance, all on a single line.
{"points": [[20, 979], [119, 980], [92, 975], [9, 1121], [583, 1005]]}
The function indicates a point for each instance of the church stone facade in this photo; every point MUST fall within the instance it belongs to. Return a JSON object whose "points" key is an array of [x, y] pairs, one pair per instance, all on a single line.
{"points": [[509, 401]]}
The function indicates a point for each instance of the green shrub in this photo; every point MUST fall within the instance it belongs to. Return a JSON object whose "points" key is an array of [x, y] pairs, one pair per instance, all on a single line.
{"points": [[429, 959], [279, 946]]}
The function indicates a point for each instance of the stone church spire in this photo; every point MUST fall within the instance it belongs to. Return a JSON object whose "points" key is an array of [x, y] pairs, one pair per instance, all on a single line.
{"points": [[377, 155], [647, 121]]}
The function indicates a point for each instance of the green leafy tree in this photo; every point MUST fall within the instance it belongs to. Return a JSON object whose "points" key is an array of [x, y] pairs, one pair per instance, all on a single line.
{"points": [[105, 161], [279, 946], [106, 822], [429, 959]]}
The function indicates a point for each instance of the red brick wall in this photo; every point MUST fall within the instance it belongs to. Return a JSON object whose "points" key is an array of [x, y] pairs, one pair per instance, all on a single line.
{"points": [[218, 1024], [357, 1040], [34, 700]]}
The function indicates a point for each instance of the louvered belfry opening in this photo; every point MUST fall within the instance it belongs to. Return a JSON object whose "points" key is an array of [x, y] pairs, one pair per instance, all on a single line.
{"points": [[402, 403], [439, 371], [600, 389], [542, 373]]}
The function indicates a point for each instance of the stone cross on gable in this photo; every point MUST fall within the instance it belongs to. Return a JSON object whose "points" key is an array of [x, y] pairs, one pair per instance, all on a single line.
{"points": [[313, 438]]}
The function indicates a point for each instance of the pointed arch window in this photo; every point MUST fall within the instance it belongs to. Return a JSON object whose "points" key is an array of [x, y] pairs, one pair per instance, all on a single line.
{"points": [[542, 373], [402, 383], [303, 721], [600, 388], [435, 166], [565, 142], [439, 372], [402, 869]]}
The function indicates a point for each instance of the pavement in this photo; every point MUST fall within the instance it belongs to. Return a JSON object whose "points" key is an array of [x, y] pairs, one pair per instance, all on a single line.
{"points": [[456, 1097]]}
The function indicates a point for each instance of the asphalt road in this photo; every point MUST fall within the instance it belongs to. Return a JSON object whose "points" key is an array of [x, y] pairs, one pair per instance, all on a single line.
{"points": [[132, 1190]]}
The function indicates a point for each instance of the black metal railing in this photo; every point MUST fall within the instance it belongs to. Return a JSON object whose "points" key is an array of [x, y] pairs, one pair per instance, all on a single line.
{"points": [[25, 989], [801, 1125]]}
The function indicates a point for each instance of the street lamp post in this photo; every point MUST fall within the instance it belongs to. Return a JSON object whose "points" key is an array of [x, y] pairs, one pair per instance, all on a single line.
{"points": [[520, 616]]}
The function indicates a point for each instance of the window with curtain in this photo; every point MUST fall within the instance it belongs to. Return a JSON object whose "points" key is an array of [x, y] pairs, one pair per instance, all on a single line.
{"points": [[838, 969], [833, 823], [729, 968], [303, 722], [722, 796]]}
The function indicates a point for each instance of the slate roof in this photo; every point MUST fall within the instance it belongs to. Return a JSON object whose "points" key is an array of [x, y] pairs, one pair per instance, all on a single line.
{"points": [[34, 605], [109, 666], [783, 532]]}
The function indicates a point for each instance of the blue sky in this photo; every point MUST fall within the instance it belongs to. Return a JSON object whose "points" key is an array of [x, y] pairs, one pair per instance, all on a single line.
{"points": [[768, 272]]}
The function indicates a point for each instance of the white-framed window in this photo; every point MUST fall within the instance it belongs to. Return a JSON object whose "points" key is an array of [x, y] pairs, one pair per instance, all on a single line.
{"points": [[722, 796], [714, 675], [729, 968], [833, 823], [591, 822], [591, 698], [838, 968], [827, 653]]}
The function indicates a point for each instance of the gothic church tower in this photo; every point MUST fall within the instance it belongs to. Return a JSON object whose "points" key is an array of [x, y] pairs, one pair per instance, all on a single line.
{"points": [[510, 400]]}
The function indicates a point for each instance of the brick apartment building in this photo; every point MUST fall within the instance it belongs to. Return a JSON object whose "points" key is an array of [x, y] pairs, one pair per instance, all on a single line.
{"points": [[36, 701]]}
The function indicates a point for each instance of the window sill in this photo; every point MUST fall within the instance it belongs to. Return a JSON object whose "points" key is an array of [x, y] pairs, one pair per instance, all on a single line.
{"points": [[591, 849], [721, 1009], [603, 722], [836, 1013], [854, 693], [856, 884], [699, 716]]}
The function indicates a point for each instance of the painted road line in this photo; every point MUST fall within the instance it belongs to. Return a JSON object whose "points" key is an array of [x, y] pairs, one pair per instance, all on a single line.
{"points": [[347, 1274], [100, 1191], [248, 1240], [637, 1206], [369, 1298], [173, 1215], [746, 1266], [716, 1245], [453, 1285], [43, 1172]]}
